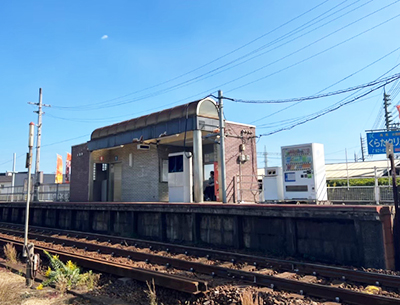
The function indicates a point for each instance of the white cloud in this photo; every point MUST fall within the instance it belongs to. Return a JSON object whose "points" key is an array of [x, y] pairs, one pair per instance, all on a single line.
{"points": [[104, 37]]}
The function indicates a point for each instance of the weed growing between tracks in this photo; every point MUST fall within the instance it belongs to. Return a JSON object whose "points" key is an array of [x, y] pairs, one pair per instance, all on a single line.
{"points": [[67, 276], [247, 298], [152, 293]]}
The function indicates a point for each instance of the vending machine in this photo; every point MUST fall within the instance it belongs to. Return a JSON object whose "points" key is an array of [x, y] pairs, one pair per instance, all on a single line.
{"points": [[304, 176], [180, 177]]}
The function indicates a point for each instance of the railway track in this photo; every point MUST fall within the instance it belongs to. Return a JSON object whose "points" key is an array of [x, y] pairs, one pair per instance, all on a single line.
{"points": [[210, 264]]}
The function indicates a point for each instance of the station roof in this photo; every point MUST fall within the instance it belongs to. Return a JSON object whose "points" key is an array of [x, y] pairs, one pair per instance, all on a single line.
{"points": [[358, 169], [201, 114]]}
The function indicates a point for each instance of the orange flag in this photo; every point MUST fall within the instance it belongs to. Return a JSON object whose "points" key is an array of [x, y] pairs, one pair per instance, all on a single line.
{"points": [[68, 168], [59, 170]]}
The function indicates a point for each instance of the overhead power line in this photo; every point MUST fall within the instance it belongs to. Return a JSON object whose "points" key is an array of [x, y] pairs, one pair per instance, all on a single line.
{"points": [[67, 140], [314, 55], [9, 161], [209, 73], [313, 97], [326, 111], [204, 65], [354, 73]]}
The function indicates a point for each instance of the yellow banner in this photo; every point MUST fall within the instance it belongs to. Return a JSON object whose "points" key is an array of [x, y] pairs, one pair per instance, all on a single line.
{"points": [[59, 170]]}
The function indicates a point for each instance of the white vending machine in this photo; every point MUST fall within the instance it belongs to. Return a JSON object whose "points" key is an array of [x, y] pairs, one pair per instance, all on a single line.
{"points": [[304, 176], [272, 184], [180, 177]]}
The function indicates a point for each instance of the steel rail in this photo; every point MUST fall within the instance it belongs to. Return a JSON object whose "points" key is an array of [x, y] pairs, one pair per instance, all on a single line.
{"points": [[344, 274], [161, 279], [315, 290]]}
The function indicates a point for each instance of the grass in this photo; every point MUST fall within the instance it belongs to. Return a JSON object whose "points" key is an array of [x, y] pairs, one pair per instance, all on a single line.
{"points": [[9, 292], [247, 298], [10, 253], [151, 293]]}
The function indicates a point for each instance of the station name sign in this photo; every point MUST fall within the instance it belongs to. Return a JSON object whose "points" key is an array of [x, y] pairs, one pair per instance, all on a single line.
{"points": [[376, 142]]}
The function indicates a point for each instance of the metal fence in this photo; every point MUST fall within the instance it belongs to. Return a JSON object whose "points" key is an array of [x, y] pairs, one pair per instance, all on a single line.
{"points": [[361, 194], [46, 192], [249, 188], [376, 193]]}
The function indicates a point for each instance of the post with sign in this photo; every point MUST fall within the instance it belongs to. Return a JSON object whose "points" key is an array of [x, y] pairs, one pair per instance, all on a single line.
{"points": [[396, 221]]}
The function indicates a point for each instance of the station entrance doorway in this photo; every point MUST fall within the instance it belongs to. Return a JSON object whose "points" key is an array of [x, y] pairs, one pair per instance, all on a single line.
{"points": [[107, 179]]}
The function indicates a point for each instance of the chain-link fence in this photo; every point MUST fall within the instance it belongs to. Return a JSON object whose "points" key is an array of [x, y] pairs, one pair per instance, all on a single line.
{"points": [[361, 194]]}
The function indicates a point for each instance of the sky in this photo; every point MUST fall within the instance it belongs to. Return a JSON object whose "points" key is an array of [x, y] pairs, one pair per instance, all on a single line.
{"points": [[102, 62]]}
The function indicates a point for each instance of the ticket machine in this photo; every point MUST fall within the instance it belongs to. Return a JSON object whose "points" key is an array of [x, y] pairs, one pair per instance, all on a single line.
{"points": [[304, 176], [180, 177]]}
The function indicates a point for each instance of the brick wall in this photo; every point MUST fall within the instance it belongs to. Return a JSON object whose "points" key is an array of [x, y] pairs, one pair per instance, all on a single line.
{"points": [[234, 137], [79, 185]]}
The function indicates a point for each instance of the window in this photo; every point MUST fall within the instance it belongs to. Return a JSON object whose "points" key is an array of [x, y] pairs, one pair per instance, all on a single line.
{"points": [[175, 164]]}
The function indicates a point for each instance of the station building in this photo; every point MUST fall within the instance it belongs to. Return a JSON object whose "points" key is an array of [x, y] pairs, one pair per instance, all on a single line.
{"points": [[131, 161]]}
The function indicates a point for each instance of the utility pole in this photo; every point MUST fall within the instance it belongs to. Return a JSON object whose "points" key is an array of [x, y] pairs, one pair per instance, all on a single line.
{"points": [[265, 160], [222, 144], [28, 195], [396, 220], [38, 143], [362, 148], [13, 177], [388, 116]]}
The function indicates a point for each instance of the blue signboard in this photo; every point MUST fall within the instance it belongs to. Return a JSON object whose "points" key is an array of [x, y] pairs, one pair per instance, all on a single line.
{"points": [[376, 142]]}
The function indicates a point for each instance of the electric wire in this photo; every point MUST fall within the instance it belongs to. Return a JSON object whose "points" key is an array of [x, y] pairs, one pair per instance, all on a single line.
{"points": [[67, 140], [9, 161], [312, 56], [313, 97], [324, 112], [293, 120], [278, 111], [191, 81], [207, 64], [338, 103]]}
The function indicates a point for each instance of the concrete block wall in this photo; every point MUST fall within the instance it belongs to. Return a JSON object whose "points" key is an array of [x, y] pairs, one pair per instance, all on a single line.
{"points": [[176, 227], [348, 235], [141, 181], [333, 240], [122, 223], [265, 234], [65, 219]]}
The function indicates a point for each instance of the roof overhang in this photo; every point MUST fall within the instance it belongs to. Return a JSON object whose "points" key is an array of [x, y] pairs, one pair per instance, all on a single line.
{"points": [[160, 126]]}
